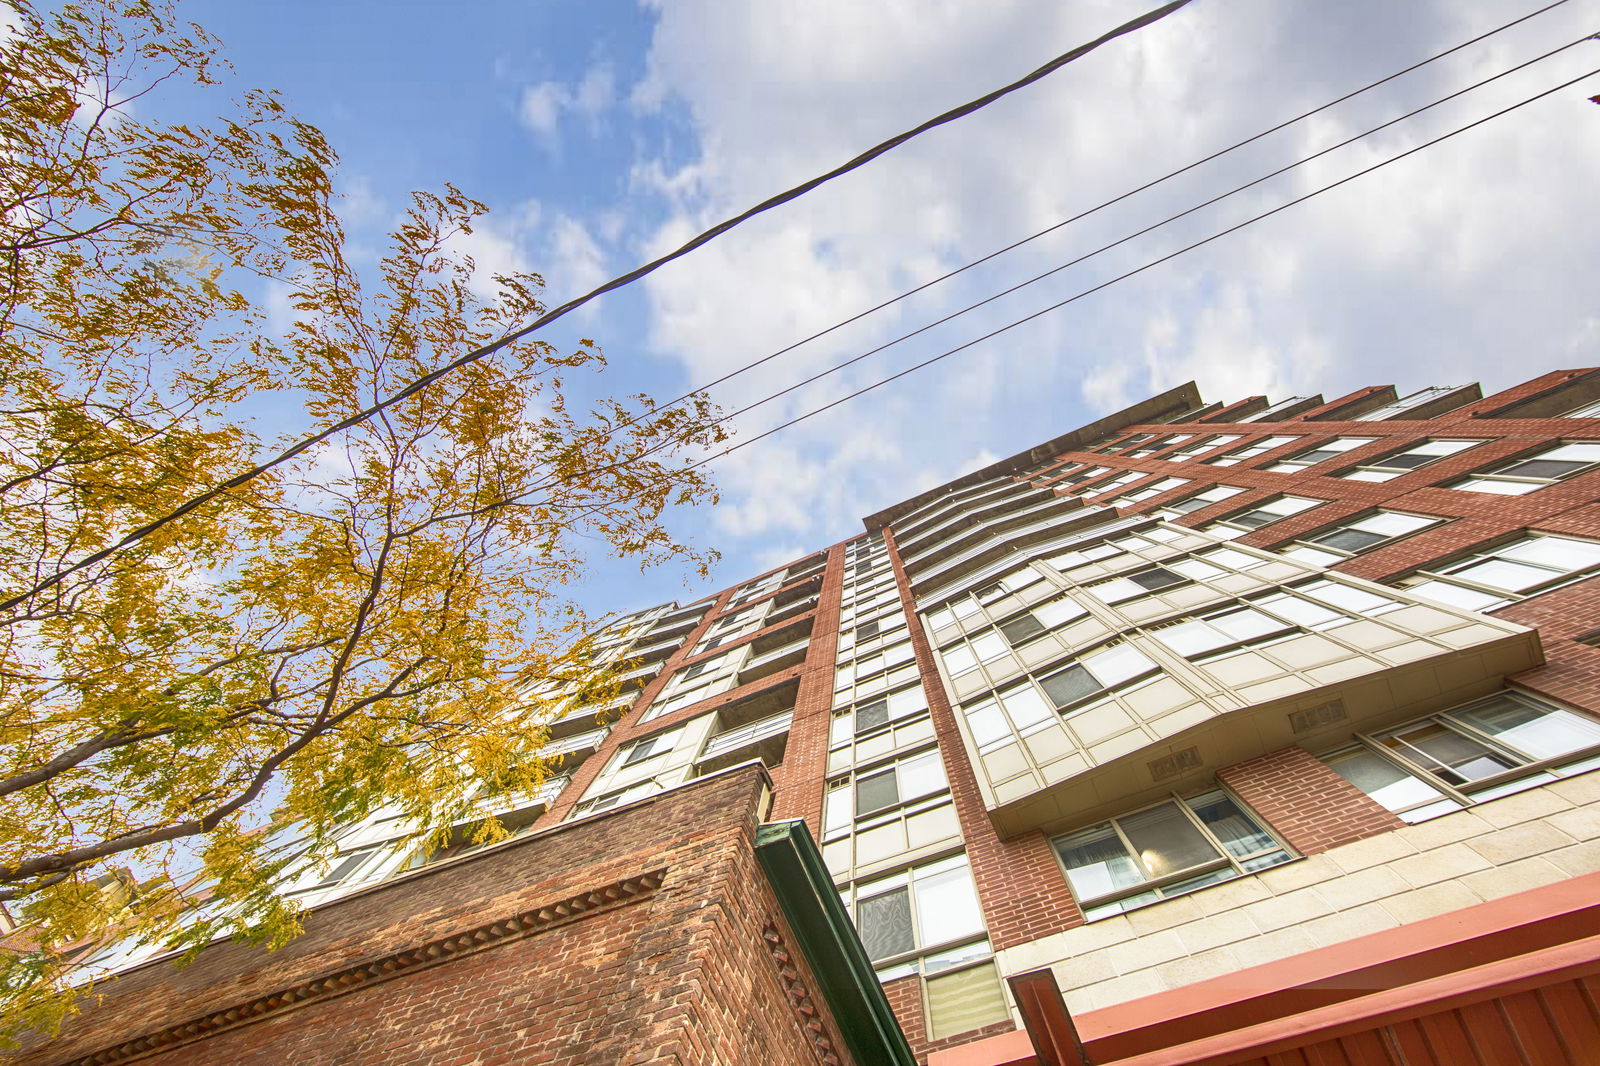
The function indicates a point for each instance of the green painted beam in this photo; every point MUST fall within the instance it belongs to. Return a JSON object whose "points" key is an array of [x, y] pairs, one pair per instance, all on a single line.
{"points": [[819, 921]]}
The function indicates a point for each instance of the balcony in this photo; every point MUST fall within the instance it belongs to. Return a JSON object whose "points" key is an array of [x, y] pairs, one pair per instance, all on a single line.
{"points": [[765, 739]]}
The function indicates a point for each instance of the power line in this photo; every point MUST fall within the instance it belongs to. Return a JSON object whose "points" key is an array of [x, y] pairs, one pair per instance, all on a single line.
{"points": [[1137, 270], [306, 443], [1141, 232], [1100, 207]]}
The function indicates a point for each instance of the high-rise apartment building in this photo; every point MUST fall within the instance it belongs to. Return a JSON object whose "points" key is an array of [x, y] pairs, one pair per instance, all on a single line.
{"points": [[1206, 733]]}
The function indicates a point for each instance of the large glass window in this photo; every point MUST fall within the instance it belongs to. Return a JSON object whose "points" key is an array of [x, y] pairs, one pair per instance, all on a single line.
{"points": [[921, 909], [1510, 571], [1166, 484], [1234, 456], [1163, 851], [1204, 444], [1337, 543], [1264, 513], [1328, 449], [1483, 750], [1388, 467], [1200, 500], [1521, 476]]}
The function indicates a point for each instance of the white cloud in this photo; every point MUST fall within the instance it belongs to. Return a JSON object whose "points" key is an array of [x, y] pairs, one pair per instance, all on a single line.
{"points": [[1467, 261], [541, 106]]}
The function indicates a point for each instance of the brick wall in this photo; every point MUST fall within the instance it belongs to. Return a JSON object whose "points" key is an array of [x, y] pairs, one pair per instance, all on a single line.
{"points": [[528, 953], [1310, 806]]}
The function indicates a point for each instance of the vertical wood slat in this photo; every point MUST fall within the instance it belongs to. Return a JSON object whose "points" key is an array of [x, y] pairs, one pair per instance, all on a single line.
{"points": [[1491, 1037]]}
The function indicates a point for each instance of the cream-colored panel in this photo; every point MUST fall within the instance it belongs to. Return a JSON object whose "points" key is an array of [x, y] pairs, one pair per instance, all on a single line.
{"points": [[1049, 744], [1008, 762], [1157, 698], [875, 845], [1371, 636], [930, 827], [1341, 671], [1409, 652], [1242, 669], [1311, 650], [1095, 725], [1277, 688]]}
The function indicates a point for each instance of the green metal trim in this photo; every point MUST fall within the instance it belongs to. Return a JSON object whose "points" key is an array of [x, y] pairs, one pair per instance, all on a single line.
{"points": [[827, 936]]}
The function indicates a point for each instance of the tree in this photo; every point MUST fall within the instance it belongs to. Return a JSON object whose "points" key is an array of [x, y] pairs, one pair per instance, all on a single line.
{"points": [[381, 621]]}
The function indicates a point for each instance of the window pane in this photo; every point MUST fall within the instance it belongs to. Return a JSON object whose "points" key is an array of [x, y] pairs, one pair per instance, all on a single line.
{"points": [[1541, 734], [965, 1000], [1237, 831], [1455, 595], [1156, 578], [988, 646], [1503, 574], [876, 792], [1555, 552], [1457, 759], [1384, 781], [1070, 685], [1021, 628], [872, 715], [947, 905], [1115, 665], [885, 924], [1246, 624], [922, 775], [1350, 540], [1097, 863], [1025, 706], [1057, 612], [1166, 841], [1191, 638]]}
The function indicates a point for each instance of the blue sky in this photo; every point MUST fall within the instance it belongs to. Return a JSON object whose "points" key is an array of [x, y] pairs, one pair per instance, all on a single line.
{"points": [[603, 132]]}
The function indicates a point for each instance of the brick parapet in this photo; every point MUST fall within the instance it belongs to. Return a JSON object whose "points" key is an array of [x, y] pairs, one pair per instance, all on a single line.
{"points": [[680, 970]]}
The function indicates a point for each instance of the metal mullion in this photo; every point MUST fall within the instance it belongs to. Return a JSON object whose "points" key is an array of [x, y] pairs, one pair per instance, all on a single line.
{"points": [[1373, 744]]}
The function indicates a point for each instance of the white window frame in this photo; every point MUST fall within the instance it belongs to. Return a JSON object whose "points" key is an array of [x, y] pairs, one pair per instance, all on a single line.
{"points": [[1177, 882], [1531, 768], [1235, 456], [1502, 480], [1311, 548], [1475, 594], [1280, 507], [1319, 453]]}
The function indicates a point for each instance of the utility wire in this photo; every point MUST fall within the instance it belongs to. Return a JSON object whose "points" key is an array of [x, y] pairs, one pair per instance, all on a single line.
{"points": [[891, 301], [1137, 270], [416, 386], [1139, 233]]}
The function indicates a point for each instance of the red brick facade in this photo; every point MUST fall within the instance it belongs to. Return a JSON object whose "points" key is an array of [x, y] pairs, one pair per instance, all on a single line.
{"points": [[642, 936]]}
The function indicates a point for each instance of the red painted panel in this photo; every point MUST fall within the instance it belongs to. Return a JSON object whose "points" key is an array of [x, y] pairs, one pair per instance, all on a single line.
{"points": [[1573, 1021], [1448, 1039], [1487, 1029], [1531, 1025]]}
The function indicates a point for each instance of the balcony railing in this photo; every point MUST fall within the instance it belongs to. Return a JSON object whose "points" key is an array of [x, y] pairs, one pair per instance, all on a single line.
{"points": [[745, 735]]}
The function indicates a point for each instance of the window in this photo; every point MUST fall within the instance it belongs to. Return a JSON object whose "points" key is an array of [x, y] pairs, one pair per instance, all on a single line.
{"points": [[1204, 444], [1588, 410], [1096, 673], [878, 788], [1388, 467], [1469, 754], [1163, 851], [1514, 570], [921, 909], [1395, 408], [1117, 482], [1151, 446], [1521, 476], [617, 798], [1318, 453], [1262, 514], [1338, 543], [1234, 627], [1250, 451], [1166, 484], [1200, 500], [651, 746], [1138, 583], [872, 716]]}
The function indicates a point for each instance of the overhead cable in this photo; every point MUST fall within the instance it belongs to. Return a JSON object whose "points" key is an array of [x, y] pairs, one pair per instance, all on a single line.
{"points": [[299, 447]]}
